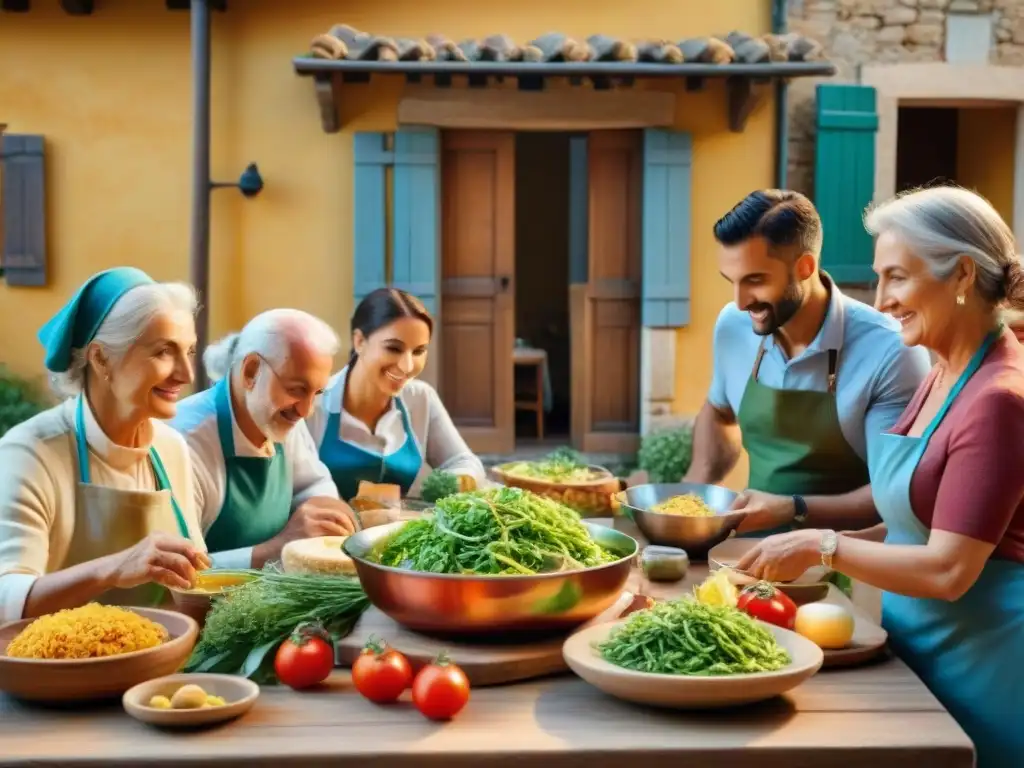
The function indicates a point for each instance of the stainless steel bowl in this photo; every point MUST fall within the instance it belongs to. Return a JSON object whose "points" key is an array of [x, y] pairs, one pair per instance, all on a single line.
{"points": [[458, 605], [694, 534]]}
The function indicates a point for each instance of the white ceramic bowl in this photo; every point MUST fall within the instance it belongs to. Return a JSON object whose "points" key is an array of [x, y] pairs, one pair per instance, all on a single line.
{"points": [[239, 693], [685, 691]]}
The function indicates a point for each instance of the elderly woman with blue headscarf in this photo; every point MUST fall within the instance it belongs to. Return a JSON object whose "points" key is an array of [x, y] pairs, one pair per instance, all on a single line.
{"points": [[96, 499]]}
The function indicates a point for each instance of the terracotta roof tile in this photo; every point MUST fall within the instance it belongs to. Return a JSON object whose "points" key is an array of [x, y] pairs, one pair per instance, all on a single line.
{"points": [[343, 42]]}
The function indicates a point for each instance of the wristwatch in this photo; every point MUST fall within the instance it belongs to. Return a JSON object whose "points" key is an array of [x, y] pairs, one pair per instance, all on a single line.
{"points": [[799, 511], [828, 546]]}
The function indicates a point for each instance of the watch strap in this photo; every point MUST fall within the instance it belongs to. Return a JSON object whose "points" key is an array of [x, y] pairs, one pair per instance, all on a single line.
{"points": [[799, 511]]}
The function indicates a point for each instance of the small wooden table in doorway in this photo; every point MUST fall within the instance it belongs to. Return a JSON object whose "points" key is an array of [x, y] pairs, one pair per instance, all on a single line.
{"points": [[538, 358]]}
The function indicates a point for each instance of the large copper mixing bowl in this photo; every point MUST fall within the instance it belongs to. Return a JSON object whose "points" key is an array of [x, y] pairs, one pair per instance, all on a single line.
{"points": [[459, 605]]}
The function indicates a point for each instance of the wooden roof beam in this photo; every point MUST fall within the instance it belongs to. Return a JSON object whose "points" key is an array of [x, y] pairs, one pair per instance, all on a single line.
{"points": [[184, 5], [78, 7]]}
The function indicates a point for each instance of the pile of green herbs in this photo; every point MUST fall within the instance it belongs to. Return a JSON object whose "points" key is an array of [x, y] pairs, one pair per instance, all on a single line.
{"points": [[247, 623], [498, 531], [686, 637]]}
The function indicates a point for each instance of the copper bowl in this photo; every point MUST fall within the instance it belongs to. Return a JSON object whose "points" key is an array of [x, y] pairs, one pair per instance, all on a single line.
{"points": [[590, 498], [460, 605]]}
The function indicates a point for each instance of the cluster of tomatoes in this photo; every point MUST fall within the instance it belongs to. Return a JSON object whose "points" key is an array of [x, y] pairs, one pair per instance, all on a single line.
{"points": [[380, 673]]}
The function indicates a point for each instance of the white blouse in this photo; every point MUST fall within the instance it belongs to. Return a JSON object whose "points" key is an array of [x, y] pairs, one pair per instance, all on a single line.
{"points": [[197, 421], [38, 488], [437, 439]]}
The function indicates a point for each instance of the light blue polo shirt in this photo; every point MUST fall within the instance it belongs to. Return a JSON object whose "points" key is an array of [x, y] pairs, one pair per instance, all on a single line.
{"points": [[875, 379]]}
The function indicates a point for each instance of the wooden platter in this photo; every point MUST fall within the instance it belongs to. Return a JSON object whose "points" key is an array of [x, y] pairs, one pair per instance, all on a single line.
{"points": [[869, 643], [485, 663]]}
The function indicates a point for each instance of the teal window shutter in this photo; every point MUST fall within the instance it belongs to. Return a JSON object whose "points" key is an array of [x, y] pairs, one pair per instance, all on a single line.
{"points": [[370, 239], [667, 211], [417, 197], [844, 178], [23, 261]]}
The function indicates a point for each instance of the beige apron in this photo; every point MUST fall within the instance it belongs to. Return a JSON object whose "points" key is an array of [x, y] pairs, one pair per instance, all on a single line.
{"points": [[109, 520]]}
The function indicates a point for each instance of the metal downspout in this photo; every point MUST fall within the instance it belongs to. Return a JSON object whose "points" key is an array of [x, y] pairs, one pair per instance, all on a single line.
{"points": [[199, 254], [781, 105]]}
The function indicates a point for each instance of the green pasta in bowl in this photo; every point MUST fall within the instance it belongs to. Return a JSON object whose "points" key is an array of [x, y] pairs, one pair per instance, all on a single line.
{"points": [[685, 637]]}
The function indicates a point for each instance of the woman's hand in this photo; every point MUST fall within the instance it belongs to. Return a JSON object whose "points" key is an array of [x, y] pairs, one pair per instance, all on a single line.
{"points": [[783, 557], [170, 561]]}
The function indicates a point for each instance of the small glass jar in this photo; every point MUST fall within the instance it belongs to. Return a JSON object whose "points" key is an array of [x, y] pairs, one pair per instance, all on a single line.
{"points": [[664, 563]]}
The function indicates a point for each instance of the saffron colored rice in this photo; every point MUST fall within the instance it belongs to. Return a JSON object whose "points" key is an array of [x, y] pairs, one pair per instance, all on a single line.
{"points": [[89, 632]]}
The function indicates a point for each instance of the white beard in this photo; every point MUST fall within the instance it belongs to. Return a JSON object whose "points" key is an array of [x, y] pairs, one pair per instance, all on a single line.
{"points": [[260, 405]]}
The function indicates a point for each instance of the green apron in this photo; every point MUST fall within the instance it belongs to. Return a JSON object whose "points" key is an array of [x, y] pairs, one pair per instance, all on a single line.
{"points": [[795, 440], [257, 492]]}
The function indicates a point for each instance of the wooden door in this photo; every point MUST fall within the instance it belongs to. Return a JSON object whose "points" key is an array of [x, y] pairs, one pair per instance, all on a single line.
{"points": [[477, 290], [605, 308]]}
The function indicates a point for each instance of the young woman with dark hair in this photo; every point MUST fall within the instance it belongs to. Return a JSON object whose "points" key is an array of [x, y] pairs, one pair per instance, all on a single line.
{"points": [[376, 421]]}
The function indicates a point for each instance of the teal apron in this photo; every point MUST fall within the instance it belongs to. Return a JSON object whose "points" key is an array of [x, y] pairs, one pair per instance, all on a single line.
{"points": [[967, 652], [257, 492], [349, 464], [110, 520], [795, 440]]}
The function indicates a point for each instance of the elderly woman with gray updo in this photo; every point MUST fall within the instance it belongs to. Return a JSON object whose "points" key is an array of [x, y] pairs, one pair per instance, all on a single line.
{"points": [[96, 499], [948, 479]]}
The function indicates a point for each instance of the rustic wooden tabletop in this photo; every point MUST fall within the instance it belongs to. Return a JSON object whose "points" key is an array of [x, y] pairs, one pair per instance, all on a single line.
{"points": [[875, 716]]}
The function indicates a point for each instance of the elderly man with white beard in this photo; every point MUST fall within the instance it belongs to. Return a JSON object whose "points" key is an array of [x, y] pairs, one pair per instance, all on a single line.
{"points": [[259, 482]]}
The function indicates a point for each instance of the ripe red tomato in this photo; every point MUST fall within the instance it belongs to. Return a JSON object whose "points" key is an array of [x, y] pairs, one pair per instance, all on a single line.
{"points": [[381, 673], [763, 601], [305, 659], [440, 690]]}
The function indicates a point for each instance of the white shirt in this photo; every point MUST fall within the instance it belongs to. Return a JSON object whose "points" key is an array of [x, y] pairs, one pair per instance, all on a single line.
{"points": [[437, 439], [197, 421], [38, 488]]}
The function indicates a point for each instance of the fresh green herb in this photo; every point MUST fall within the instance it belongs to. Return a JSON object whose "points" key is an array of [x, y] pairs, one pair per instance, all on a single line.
{"points": [[20, 400], [665, 455], [439, 484], [247, 623], [685, 637], [495, 531]]}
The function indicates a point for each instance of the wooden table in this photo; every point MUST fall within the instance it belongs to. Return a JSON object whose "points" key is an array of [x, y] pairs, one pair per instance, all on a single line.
{"points": [[875, 716]]}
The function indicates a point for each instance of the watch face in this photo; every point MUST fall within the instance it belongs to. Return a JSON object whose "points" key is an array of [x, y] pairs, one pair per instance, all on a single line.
{"points": [[829, 541]]}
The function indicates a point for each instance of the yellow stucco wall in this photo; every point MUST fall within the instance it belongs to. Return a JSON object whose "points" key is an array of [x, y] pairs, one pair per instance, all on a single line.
{"points": [[986, 140], [114, 102]]}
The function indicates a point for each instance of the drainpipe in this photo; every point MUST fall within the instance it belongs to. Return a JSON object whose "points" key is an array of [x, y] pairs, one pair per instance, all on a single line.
{"points": [[199, 254], [781, 105]]}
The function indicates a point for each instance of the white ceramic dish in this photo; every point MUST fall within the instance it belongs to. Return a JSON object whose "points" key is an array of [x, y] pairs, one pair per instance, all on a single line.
{"points": [[239, 693], [689, 692]]}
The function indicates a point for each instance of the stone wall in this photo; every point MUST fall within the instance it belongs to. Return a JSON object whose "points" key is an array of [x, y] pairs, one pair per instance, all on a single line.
{"points": [[856, 32]]}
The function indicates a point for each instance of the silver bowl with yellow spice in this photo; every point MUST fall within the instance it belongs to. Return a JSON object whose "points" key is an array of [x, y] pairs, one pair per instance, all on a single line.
{"points": [[93, 652], [691, 516]]}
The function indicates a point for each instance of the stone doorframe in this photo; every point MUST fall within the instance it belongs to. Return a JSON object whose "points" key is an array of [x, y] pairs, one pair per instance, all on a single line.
{"points": [[941, 84]]}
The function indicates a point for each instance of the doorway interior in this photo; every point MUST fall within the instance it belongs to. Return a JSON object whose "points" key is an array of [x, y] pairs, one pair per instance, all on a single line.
{"points": [[959, 142]]}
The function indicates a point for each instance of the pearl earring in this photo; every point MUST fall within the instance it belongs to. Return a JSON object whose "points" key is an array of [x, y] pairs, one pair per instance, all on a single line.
{"points": [[960, 300]]}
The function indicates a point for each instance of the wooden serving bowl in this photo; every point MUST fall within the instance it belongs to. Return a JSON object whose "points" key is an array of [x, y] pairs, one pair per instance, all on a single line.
{"points": [[590, 498], [108, 677], [239, 695]]}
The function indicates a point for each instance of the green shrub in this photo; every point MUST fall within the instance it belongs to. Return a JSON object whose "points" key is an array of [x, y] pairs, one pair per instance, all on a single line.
{"points": [[439, 484], [20, 400], [665, 455]]}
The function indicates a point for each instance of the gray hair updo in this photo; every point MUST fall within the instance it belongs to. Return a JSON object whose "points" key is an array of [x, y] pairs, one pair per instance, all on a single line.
{"points": [[942, 224]]}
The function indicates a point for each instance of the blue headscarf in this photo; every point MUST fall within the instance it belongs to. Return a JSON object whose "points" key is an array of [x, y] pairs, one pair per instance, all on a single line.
{"points": [[76, 324]]}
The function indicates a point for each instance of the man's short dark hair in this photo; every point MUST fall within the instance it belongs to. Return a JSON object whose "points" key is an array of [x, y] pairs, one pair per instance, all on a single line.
{"points": [[787, 220]]}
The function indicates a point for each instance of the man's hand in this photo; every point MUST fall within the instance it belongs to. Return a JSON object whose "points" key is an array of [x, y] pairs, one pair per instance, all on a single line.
{"points": [[763, 511], [319, 516]]}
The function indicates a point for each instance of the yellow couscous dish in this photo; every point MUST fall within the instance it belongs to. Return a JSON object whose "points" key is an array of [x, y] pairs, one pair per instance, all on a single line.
{"points": [[89, 632]]}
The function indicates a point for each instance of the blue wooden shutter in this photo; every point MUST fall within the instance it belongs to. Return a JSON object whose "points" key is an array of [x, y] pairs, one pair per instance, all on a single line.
{"points": [[370, 236], [579, 211], [24, 209], [668, 171], [844, 178], [417, 184]]}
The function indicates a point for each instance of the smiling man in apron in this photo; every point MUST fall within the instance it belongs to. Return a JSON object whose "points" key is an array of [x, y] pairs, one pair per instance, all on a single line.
{"points": [[259, 481], [802, 375]]}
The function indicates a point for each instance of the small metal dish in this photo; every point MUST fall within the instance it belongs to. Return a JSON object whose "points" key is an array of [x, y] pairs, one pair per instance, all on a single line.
{"points": [[696, 535]]}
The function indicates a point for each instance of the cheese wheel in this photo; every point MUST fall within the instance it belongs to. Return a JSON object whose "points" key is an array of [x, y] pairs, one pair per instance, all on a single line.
{"points": [[321, 554]]}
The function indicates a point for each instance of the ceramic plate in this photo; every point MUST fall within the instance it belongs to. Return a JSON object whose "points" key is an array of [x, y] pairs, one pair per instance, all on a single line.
{"points": [[687, 692], [239, 694]]}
